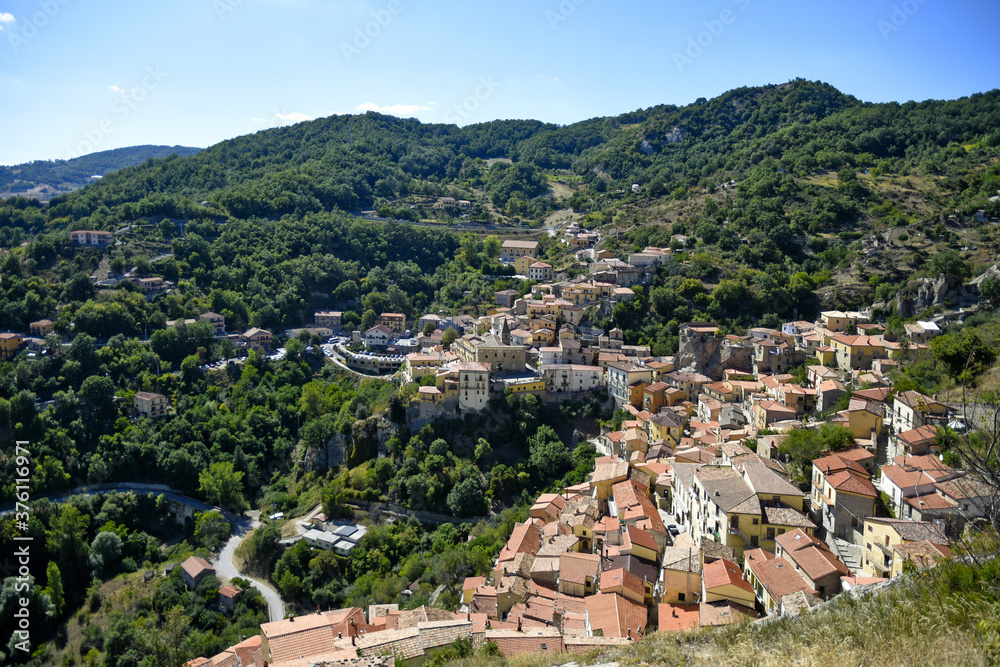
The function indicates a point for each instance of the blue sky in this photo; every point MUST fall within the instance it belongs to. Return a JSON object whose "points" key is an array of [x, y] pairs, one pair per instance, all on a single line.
{"points": [[77, 77]]}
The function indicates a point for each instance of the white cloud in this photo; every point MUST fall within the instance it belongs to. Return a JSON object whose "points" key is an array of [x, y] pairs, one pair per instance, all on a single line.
{"points": [[116, 89], [5, 18], [393, 109], [294, 117]]}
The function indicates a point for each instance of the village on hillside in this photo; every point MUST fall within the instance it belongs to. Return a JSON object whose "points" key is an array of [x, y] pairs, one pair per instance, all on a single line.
{"points": [[695, 515]]}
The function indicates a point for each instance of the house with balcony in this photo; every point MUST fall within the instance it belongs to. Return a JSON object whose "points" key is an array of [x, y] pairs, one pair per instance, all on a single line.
{"points": [[395, 322], [258, 340], [842, 496], [41, 328], [92, 237], [149, 404], [911, 409], [332, 319], [217, 322], [883, 556], [813, 560]]}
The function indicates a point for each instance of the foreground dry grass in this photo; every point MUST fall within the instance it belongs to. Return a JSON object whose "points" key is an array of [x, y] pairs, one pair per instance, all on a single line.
{"points": [[947, 617]]}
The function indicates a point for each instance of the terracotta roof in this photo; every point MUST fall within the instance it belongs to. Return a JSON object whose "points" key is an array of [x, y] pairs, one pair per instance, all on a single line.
{"points": [[575, 568], [621, 577], [616, 616], [724, 572], [679, 617], [779, 578], [531, 640], [524, 538], [833, 463], [229, 591], [919, 434], [922, 553], [810, 554], [850, 482], [641, 538], [300, 636], [195, 566], [724, 612], [610, 470], [404, 644]]}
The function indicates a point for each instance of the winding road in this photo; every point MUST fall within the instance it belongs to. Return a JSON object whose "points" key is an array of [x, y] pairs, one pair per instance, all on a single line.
{"points": [[223, 563], [224, 567]]}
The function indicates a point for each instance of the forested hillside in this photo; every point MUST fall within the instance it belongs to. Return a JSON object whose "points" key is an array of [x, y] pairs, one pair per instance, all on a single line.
{"points": [[48, 178], [777, 201]]}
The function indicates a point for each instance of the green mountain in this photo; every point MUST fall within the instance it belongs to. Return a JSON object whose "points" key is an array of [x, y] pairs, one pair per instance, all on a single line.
{"points": [[47, 178]]}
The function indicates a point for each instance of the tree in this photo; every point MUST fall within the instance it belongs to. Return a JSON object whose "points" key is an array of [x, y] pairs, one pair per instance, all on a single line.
{"points": [[211, 529], [105, 553], [549, 456], [66, 541], [950, 263], [483, 453], [503, 482], [54, 588], [990, 289], [450, 336], [368, 319], [99, 392], [805, 445], [222, 485], [467, 498]]}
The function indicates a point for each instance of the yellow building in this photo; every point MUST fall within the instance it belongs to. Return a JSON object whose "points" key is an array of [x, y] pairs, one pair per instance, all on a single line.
{"points": [[9, 345], [522, 263], [882, 536], [856, 352], [395, 321], [41, 328], [864, 417], [667, 426]]}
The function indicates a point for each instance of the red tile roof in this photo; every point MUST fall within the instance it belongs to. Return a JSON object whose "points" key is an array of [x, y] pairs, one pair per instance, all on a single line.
{"points": [[616, 616], [679, 617], [724, 572]]}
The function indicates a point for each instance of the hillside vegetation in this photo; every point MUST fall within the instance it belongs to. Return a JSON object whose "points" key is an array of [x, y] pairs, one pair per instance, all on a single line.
{"points": [[47, 178]]}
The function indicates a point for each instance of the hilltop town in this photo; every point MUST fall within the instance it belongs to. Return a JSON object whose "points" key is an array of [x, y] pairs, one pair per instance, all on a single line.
{"points": [[697, 513]]}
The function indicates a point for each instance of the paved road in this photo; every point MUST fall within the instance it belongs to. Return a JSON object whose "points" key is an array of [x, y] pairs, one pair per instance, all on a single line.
{"points": [[225, 567], [223, 563]]}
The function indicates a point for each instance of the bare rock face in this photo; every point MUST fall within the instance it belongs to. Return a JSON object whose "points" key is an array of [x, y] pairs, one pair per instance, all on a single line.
{"points": [[991, 272], [700, 354], [941, 292]]}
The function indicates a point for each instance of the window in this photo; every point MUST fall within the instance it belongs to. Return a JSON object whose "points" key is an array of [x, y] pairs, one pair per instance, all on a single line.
{"points": [[770, 533], [756, 521]]}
